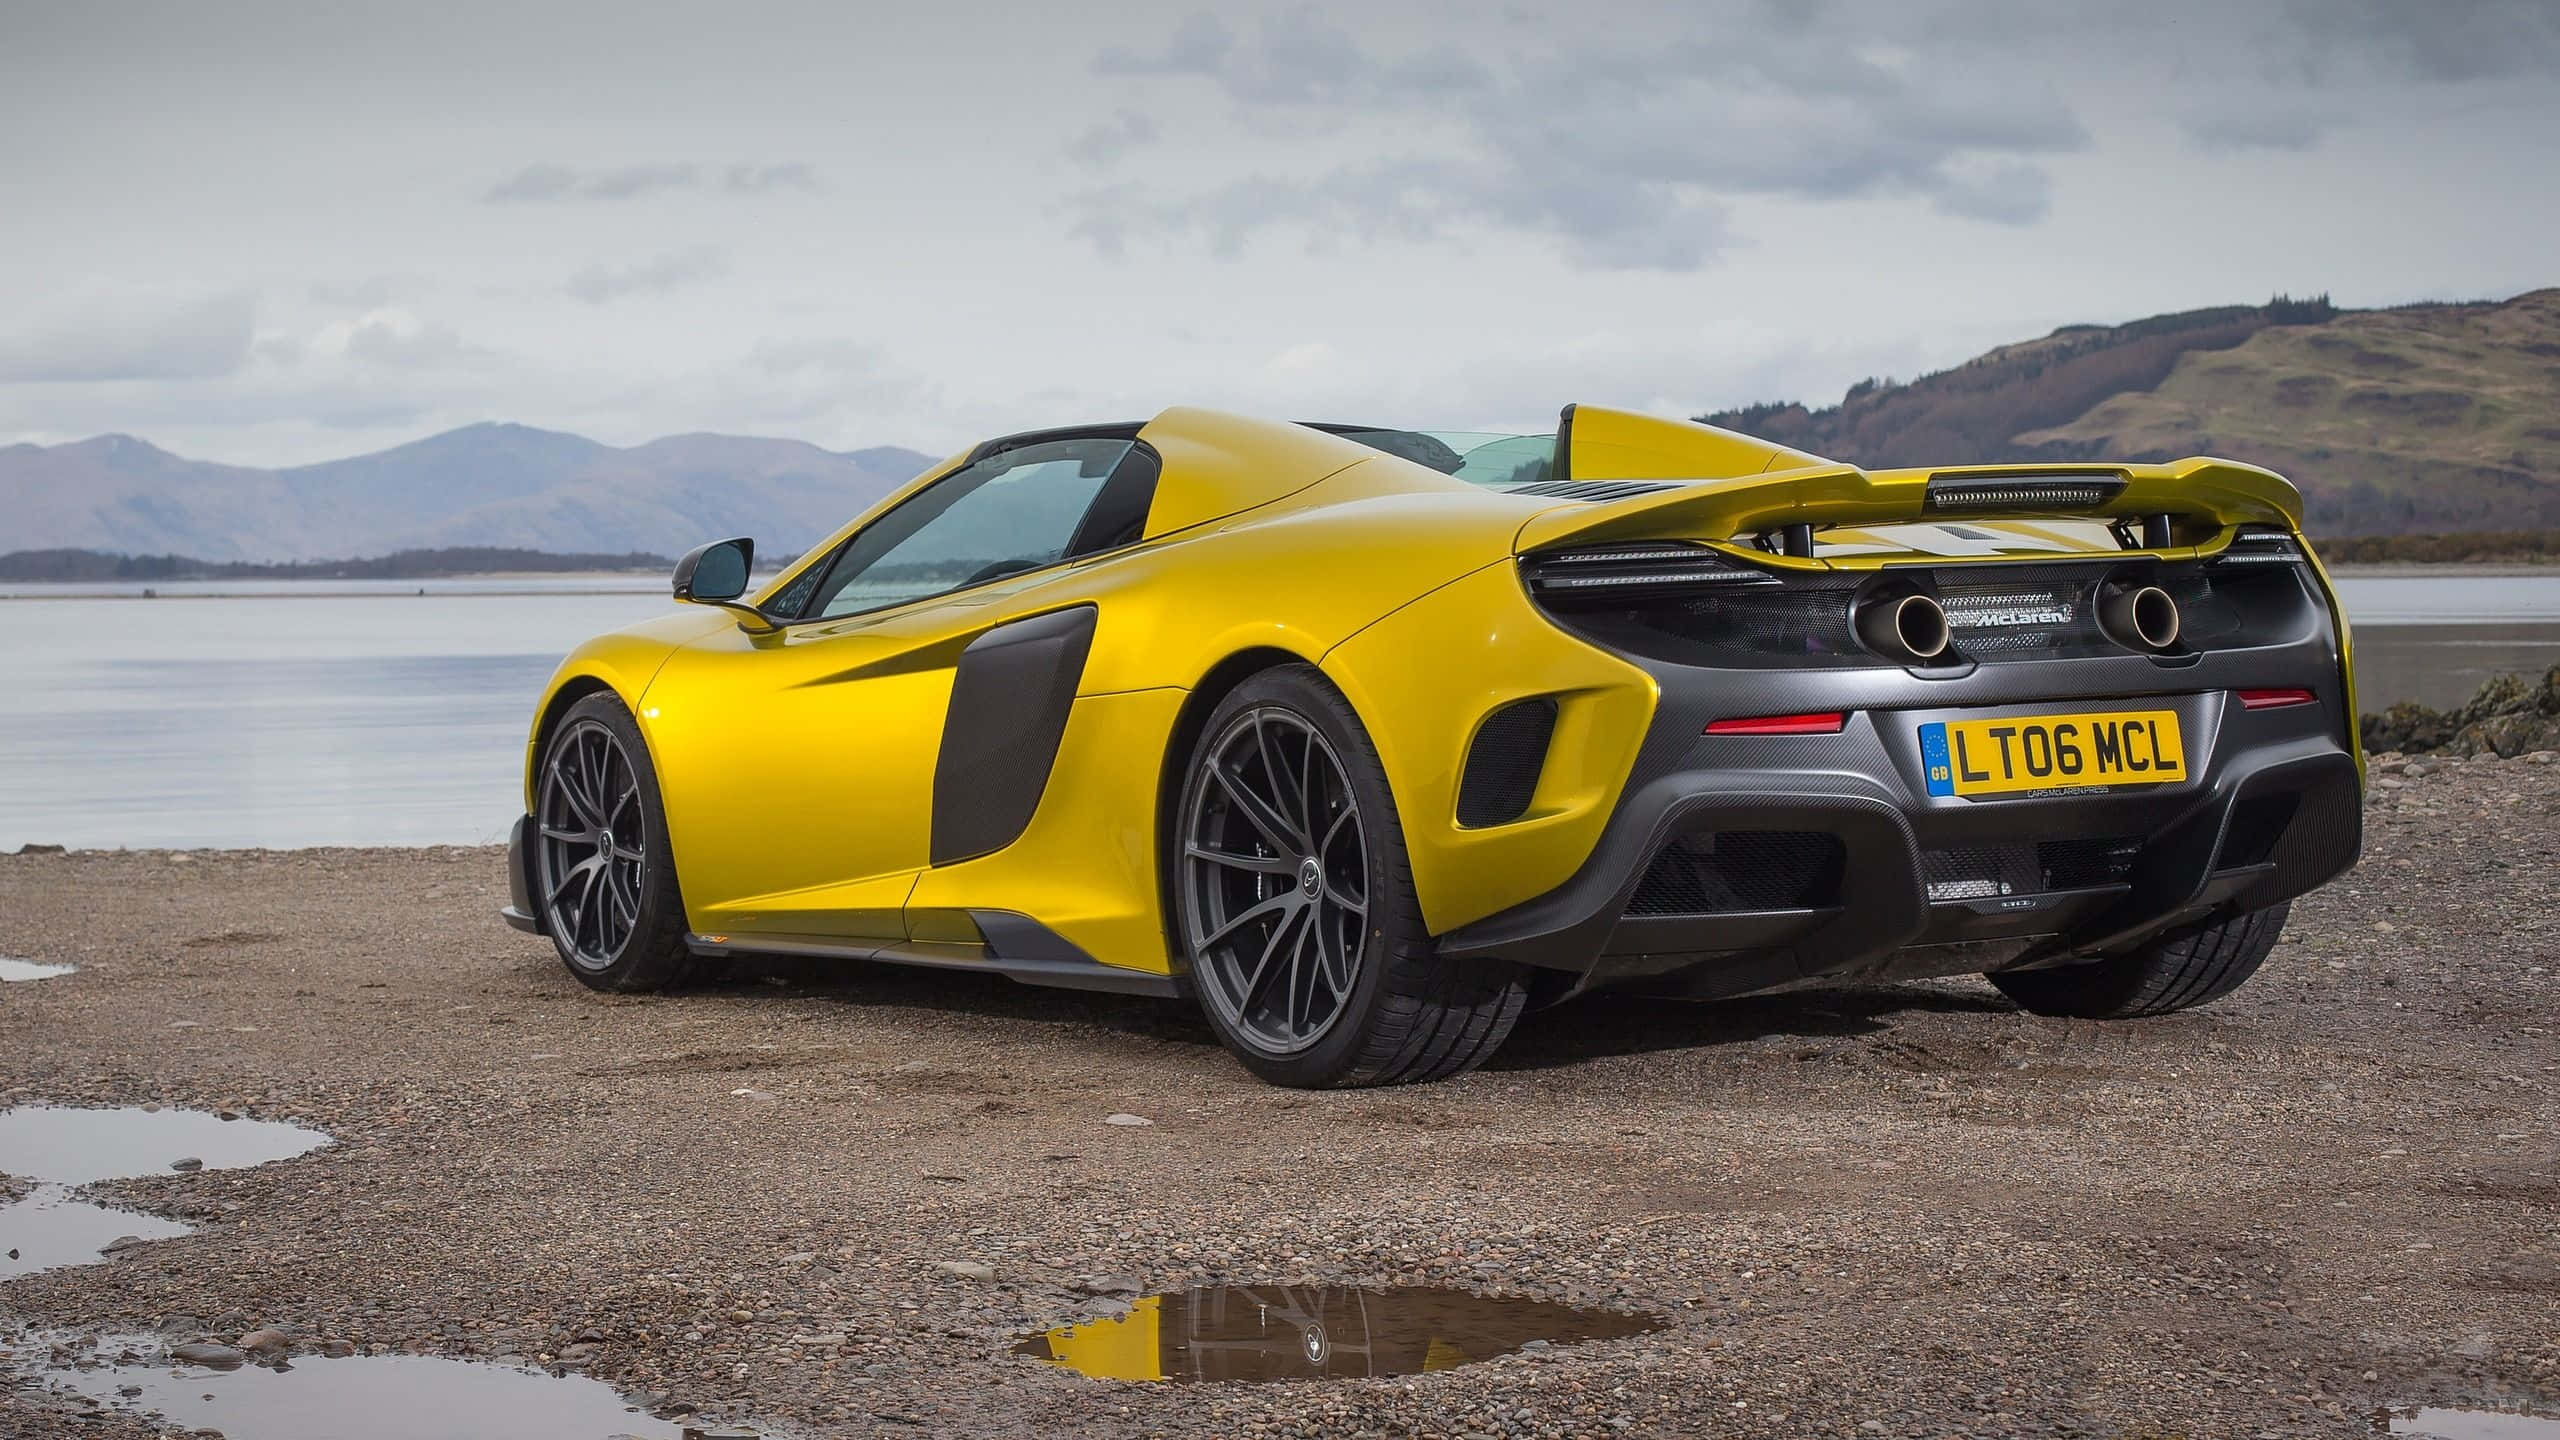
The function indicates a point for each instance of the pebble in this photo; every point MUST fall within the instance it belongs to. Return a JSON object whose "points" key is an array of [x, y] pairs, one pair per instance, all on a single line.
{"points": [[966, 1269], [1123, 1117], [208, 1355], [266, 1344], [187, 1166]]}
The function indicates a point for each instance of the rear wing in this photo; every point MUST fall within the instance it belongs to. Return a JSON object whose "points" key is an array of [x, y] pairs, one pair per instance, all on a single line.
{"points": [[2185, 507]]}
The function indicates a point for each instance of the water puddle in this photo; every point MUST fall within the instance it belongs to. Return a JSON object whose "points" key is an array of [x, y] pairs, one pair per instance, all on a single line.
{"points": [[63, 1146], [2450, 1424], [381, 1397], [1282, 1332], [60, 1148], [14, 969], [48, 1229]]}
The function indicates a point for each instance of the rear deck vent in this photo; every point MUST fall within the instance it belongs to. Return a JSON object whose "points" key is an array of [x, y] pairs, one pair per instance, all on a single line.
{"points": [[1741, 870], [1594, 490], [1503, 764]]}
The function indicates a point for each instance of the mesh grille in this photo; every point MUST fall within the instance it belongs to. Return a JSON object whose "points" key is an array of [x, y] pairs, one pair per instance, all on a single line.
{"points": [[1978, 872], [2080, 864], [1737, 870], [1502, 765]]}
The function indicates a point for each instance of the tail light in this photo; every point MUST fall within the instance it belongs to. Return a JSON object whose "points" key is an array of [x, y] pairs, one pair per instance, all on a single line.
{"points": [[2275, 699], [1827, 722]]}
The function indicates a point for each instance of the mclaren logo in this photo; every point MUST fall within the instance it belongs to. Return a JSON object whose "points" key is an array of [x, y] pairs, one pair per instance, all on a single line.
{"points": [[1996, 619]]}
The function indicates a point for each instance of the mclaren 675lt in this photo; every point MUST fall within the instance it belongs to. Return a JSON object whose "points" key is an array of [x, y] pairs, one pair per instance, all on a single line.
{"points": [[1371, 739]]}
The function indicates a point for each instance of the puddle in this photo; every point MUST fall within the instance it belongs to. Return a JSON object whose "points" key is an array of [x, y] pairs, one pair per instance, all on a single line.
{"points": [[48, 1229], [63, 1146], [381, 1397], [59, 1148], [1281, 1332], [11, 969], [2472, 1424]]}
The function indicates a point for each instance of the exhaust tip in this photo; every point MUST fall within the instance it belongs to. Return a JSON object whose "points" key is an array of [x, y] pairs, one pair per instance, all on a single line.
{"points": [[2140, 617], [1909, 627]]}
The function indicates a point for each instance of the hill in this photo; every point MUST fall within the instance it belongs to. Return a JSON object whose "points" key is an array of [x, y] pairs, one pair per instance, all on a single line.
{"points": [[506, 486], [2421, 418]]}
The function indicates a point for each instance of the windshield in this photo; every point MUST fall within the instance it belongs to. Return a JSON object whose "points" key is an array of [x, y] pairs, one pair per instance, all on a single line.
{"points": [[1476, 456]]}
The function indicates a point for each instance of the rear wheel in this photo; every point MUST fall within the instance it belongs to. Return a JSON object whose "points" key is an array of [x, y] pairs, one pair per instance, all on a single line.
{"points": [[2177, 972], [603, 873], [1296, 903]]}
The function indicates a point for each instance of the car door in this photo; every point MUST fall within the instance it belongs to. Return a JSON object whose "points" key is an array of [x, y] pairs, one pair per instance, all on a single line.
{"points": [[803, 803]]}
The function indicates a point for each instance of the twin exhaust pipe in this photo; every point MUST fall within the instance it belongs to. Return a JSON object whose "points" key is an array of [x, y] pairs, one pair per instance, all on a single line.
{"points": [[1912, 628]]}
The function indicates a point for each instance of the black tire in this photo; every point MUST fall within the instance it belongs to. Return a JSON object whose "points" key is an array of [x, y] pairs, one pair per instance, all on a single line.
{"points": [[1406, 1014], [2177, 972], [619, 925]]}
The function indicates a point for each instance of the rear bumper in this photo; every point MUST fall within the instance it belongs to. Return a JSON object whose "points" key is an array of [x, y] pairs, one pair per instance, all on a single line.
{"points": [[520, 910], [2272, 809]]}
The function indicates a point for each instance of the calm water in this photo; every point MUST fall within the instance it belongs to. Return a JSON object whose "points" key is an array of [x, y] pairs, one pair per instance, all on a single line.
{"points": [[292, 713]]}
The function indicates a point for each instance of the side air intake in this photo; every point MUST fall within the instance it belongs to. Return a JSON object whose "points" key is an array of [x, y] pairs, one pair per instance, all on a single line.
{"points": [[1504, 763]]}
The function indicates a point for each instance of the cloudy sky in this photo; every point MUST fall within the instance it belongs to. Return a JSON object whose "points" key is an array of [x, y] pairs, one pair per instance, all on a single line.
{"points": [[277, 233]]}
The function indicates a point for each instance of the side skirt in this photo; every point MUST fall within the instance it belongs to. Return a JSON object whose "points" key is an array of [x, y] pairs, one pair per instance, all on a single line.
{"points": [[1017, 947]]}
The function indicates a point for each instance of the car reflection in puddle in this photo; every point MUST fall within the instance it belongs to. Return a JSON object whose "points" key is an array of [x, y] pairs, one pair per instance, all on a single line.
{"points": [[2458, 1424], [380, 1397], [12, 968], [59, 1147], [1284, 1332]]}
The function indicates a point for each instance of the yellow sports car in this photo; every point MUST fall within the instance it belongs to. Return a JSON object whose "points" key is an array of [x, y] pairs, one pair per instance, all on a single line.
{"points": [[1372, 739]]}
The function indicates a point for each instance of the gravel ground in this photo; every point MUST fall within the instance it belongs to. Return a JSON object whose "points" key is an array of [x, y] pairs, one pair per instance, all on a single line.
{"points": [[1903, 1211]]}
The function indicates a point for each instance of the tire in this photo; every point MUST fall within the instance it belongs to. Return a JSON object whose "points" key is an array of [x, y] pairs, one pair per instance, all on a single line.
{"points": [[2177, 972], [1402, 1012], [596, 785]]}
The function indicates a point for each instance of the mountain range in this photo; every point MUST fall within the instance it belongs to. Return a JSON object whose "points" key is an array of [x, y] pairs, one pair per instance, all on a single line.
{"points": [[482, 485], [2421, 418], [2426, 418]]}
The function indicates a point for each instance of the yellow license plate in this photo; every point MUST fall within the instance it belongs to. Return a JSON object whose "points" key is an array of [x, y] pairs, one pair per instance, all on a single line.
{"points": [[2052, 752]]}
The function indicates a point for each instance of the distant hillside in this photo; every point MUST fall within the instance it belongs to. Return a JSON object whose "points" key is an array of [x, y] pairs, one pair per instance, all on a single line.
{"points": [[92, 565], [2423, 418], [505, 486]]}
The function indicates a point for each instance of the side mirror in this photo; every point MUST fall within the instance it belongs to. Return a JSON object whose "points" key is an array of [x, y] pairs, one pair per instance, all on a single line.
{"points": [[716, 574]]}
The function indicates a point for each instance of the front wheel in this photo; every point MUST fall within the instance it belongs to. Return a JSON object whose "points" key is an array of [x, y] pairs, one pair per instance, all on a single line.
{"points": [[1296, 904], [603, 872], [2176, 972]]}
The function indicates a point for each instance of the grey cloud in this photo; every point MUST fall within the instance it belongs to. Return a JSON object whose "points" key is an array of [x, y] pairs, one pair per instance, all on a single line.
{"points": [[201, 340], [600, 283], [1197, 47], [1621, 154], [2441, 41], [379, 342], [763, 179], [1106, 143], [2268, 124], [550, 184], [371, 293]]}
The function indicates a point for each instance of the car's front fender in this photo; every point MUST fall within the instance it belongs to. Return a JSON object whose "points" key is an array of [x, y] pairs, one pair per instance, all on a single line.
{"points": [[622, 661]]}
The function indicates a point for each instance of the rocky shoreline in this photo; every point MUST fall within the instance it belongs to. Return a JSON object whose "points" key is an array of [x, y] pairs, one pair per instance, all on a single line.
{"points": [[2510, 716]]}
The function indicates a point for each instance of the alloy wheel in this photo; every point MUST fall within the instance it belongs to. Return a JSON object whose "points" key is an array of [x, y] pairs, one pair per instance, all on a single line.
{"points": [[1275, 875], [594, 847]]}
